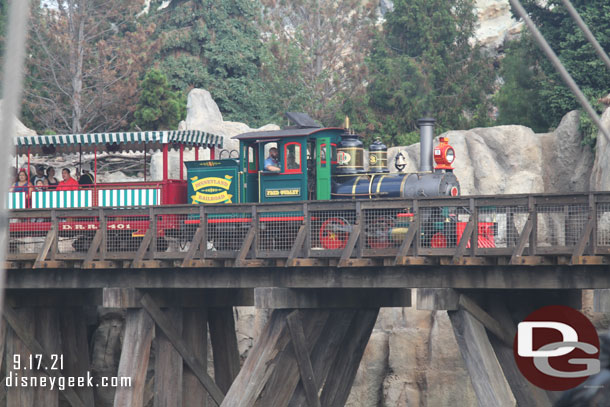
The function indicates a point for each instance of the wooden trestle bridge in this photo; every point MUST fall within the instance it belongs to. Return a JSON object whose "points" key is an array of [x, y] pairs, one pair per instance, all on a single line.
{"points": [[495, 260]]}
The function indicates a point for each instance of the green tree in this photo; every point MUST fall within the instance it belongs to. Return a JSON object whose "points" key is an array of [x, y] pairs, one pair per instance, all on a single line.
{"points": [[158, 108], [216, 45], [423, 64], [578, 56], [519, 100], [323, 44]]}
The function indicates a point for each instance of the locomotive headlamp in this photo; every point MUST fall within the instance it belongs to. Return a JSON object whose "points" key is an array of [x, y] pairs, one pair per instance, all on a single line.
{"points": [[450, 155], [444, 155]]}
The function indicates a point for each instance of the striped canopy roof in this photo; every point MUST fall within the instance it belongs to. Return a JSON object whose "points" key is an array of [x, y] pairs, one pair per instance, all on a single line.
{"points": [[134, 141]]}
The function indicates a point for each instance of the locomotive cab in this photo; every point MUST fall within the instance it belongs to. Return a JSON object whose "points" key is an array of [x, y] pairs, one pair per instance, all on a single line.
{"points": [[306, 155]]}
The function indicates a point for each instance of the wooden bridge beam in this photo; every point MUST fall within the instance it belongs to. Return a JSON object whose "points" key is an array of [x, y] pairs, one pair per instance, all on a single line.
{"points": [[487, 377], [168, 365], [285, 298], [135, 354], [195, 334], [21, 340], [224, 346], [343, 371]]}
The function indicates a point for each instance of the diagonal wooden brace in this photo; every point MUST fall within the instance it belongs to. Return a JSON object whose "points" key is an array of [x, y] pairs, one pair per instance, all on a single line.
{"points": [[168, 328], [48, 242], [523, 239]]}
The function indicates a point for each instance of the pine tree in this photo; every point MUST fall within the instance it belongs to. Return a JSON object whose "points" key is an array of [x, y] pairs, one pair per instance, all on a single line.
{"points": [[323, 44], [423, 64], [158, 108], [547, 91], [216, 45]]}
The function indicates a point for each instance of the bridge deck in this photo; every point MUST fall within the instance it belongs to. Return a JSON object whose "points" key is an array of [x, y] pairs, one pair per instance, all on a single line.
{"points": [[464, 242]]}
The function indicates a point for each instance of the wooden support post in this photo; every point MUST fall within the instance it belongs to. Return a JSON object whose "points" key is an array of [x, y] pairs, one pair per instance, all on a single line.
{"points": [[195, 334], [343, 371], [19, 396], [168, 366], [134, 358], [486, 375], [48, 334], [76, 349], [224, 346], [55, 226], [22, 324], [325, 350], [168, 328], [534, 232], [308, 380]]}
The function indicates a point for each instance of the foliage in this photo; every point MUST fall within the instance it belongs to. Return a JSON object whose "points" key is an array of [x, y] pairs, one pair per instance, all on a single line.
{"points": [[85, 60], [322, 44], [576, 54], [216, 45], [423, 64], [158, 108], [519, 100]]}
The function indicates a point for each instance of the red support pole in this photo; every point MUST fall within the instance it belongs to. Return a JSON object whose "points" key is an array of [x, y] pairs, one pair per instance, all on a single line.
{"points": [[181, 162], [197, 153], [165, 170], [212, 152], [165, 158], [95, 165]]}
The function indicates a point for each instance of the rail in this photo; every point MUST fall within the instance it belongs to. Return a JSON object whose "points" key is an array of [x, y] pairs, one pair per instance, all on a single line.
{"points": [[481, 230]]}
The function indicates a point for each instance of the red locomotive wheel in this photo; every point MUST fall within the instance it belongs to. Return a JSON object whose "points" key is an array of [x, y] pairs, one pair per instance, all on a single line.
{"points": [[379, 233], [333, 234], [438, 241]]}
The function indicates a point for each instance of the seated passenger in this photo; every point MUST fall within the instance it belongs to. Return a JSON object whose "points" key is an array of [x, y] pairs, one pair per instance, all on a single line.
{"points": [[39, 176], [68, 183], [86, 178], [51, 180], [272, 163], [22, 184]]}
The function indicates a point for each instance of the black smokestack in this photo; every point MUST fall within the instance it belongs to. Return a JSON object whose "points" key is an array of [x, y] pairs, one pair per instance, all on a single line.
{"points": [[426, 135]]}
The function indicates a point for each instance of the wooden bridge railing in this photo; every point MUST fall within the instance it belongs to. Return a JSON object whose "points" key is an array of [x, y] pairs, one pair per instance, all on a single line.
{"points": [[516, 229]]}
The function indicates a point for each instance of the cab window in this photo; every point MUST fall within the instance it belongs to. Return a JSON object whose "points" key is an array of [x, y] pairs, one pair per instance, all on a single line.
{"points": [[267, 155], [333, 151], [292, 152]]}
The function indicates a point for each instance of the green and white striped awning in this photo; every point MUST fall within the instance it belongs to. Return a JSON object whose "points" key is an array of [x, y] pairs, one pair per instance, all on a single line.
{"points": [[134, 141]]}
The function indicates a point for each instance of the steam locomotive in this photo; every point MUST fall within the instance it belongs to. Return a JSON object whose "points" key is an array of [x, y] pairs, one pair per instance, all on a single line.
{"points": [[318, 163]]}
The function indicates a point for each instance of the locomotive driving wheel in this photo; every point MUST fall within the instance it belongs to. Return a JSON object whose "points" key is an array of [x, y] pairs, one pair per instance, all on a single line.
{"points": [[378, 234], [334, 233]]}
